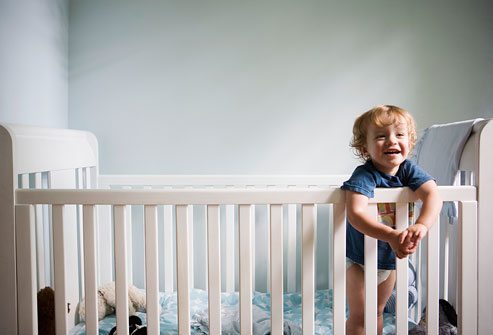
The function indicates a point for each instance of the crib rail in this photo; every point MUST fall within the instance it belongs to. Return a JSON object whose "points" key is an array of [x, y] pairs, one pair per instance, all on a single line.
{"points": [[181, 199]]}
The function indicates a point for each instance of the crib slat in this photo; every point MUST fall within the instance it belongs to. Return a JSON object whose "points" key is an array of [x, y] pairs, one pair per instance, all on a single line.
{"points": [[59, 260], [229, 231], [105, 274], [402, 222], [128, 225], [419, 285], [24, 180], [245, 269], [446, 261], [79, 184], [433, 279], [90, 276], [182, 269], [371, 279], [308, 267], [253, 246], [49, 259], [26, 269], [40, 242], [339, 271], [169, 268], [276, 269], [201, 248], [214, 260], [152, 270], [468, 277], [121, 268], [291, 249], [191, 266], [105, 237]]}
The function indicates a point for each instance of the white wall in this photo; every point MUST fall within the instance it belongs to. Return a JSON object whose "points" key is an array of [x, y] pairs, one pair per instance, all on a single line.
{"points": [[266, 86], [33, 62]]}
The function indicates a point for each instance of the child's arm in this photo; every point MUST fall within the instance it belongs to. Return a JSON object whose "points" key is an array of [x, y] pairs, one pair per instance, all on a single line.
{"points": [[357, 212], [432, 204]]}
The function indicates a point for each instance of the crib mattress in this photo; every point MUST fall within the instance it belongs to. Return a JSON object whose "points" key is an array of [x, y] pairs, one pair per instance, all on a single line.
{"points": [[230, 314]]}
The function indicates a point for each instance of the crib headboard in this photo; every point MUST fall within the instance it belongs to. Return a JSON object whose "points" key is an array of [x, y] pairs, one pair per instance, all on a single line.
{"points": [[32, 155], [477, 157]]}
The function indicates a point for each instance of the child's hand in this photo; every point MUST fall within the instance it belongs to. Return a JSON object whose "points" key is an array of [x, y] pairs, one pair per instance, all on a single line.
{"points": [[415, 233], [397, 243], [406, 242], [409, 239]]}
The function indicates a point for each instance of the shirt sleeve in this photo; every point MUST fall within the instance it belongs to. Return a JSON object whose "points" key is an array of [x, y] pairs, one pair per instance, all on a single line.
{"points": [[362, 181], [416, 176]]}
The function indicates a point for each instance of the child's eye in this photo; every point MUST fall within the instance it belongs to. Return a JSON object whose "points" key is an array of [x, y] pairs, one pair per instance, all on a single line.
{"points": [[380, 136], [401, 135]]}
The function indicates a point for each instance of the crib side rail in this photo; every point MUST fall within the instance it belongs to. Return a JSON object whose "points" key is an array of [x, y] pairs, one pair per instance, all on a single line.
{"points": [[312, 195], [260, 266], [308, 197]]}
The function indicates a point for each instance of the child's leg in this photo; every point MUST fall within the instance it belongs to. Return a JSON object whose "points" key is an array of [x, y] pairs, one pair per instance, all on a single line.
{"points": [[355, 289], [384, 292]]}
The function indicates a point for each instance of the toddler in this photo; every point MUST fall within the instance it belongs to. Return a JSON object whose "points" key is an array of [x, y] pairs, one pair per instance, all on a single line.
{"points": [[383, 137]]}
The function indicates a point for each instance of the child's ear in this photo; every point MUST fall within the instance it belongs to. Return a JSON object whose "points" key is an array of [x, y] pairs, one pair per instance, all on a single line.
{"points": [[365, 153]]}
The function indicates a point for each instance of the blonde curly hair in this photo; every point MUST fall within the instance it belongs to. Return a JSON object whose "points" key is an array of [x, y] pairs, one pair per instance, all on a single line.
{"points": [[380, 116]]}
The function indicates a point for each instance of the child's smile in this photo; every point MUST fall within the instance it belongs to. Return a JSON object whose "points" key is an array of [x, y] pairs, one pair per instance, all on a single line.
{"points": [[392, 152]]}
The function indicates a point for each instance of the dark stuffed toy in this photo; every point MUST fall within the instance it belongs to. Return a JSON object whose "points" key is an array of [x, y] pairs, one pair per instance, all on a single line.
{"points": [[46, 311], [134, 327], [447, 323]]}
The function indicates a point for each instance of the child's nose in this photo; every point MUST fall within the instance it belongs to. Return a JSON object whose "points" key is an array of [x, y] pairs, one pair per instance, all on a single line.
{"points": [[392, 139]]}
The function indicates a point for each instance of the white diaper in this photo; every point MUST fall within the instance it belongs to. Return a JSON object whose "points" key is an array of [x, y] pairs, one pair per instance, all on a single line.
{"points": [[382, 275]]}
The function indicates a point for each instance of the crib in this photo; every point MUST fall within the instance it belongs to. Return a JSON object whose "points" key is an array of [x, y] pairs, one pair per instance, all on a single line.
{"points": [[69, 227]]}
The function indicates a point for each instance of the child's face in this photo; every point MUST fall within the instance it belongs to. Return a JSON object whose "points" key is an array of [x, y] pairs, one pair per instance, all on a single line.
{"points": [[388, 146]]}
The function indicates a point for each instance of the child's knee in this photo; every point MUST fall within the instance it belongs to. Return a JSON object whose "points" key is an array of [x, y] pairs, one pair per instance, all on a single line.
{"points": [[380, 310]]}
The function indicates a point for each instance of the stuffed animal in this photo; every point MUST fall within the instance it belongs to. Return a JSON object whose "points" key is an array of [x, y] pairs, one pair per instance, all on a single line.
{"points": [[46, 311], [447, 320], [135, 327], [107, 301]]}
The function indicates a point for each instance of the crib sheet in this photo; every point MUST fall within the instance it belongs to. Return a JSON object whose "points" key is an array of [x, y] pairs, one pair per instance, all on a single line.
{"points": [[230, 315]]}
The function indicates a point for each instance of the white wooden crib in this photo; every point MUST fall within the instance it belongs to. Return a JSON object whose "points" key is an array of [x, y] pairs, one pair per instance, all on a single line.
{"points": [[257, 233]]}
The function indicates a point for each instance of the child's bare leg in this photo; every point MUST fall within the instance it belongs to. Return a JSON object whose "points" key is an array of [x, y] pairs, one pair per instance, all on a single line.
{"points": [[355, 288], [384, 292]]}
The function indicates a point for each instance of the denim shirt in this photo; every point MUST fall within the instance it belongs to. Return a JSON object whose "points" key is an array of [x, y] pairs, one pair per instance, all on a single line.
{"points": [[364, 180]]}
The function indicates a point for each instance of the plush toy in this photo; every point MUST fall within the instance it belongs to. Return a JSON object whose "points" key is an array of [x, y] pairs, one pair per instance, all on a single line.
{"points": [[447, 320], [107, 301], [135, 327], [46, 311]]}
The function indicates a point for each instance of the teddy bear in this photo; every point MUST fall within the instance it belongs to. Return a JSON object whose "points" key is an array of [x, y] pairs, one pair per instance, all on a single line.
{"points": [[46, 311], [106, 301]]}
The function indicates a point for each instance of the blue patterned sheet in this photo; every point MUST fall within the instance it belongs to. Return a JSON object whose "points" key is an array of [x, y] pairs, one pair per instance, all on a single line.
{"points": [[229, 314]]}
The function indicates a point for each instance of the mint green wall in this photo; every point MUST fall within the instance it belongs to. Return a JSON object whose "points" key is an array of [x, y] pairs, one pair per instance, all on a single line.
{"points": [[229, 87], [271, 87], [267, 86], [34, 62]]}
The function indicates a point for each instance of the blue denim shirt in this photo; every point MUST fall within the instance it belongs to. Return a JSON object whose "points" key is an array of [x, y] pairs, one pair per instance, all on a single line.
{"points": [[364, 180]]}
